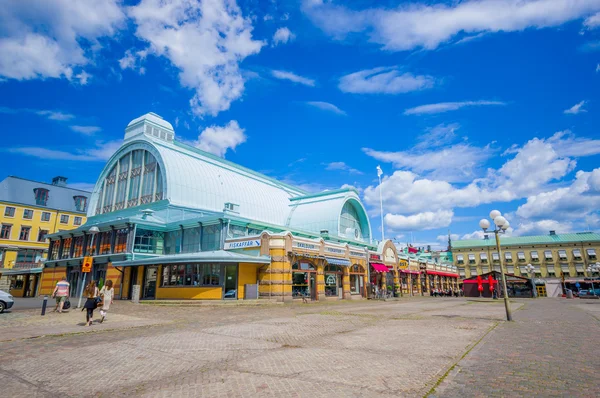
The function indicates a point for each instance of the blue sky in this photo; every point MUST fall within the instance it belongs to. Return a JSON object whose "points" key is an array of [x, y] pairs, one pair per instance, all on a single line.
{"points": [[467, 106]]}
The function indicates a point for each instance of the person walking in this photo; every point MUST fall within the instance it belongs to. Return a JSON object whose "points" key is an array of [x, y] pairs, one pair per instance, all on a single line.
{"points": [[107, 293], [90, 293], [61, 292]]}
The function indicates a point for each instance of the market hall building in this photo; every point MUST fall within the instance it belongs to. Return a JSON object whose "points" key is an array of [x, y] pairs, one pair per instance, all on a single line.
{"points": [[175, 222]]}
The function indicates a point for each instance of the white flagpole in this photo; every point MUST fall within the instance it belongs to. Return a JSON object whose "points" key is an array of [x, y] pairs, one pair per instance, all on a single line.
{"points": [[379, 174]]}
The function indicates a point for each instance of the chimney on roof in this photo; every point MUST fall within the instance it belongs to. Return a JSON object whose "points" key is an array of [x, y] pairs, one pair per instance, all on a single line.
{"points": [[552, 232], [59, 181], [428, 248]]}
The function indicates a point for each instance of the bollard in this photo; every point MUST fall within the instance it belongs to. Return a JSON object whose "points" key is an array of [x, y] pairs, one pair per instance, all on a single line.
{"points": [[44, 305]]}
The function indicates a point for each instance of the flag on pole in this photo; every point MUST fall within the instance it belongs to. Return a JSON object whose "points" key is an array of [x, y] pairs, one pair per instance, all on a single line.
{"points": [[379, 171]]}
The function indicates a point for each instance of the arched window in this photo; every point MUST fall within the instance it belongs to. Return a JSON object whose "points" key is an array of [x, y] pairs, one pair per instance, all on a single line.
{"points": [[303, 266], [135, 179], [357, 269], [350, 223], [333, 268]]}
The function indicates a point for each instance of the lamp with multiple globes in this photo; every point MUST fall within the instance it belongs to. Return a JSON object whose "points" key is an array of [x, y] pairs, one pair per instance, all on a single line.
{"points": [[501, 224]]}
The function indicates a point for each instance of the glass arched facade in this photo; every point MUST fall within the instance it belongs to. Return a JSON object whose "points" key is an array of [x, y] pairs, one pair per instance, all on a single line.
{"points": [[351, 225], [135, 179]]}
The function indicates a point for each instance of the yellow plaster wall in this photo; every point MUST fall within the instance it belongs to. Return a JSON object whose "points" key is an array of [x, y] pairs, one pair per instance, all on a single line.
{"points": [[50, 276], [36, 223], [191, 293], [247, 274]]}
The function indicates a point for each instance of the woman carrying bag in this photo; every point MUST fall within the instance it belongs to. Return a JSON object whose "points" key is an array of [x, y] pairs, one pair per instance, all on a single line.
{"points": [[107, 293], [91, 302]]}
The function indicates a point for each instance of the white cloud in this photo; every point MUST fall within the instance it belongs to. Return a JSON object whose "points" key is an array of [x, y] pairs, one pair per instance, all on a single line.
{"points": [[437, 157], [593, 22], [205, 40], [86, 130], [384, 80], [577, 108], [574, 202], [41, 39], [536, 167], [83, 77], [54, 115], [343, 167], [128, 60], [283, 75], [282, 36], [100, 152], [542, 227], [597, 68], [420, 221], [420, 25], [566, 144], [447, 106], [326, 106], [217, 140]]}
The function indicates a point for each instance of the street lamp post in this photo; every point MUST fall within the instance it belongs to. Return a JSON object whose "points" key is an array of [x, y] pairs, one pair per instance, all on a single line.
{"points": [[530, 268], [501, 225], [93, 231]]}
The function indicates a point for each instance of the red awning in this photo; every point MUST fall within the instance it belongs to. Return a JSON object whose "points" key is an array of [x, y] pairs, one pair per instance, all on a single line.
{"points": [[440, 273], [409, 271], [379, 267]]}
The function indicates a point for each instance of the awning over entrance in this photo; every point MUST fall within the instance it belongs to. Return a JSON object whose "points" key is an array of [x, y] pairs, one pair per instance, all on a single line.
{"points": [[338, 261], [409, 271], [379, 267], [216, 256], [20, 271], [440, 273]]}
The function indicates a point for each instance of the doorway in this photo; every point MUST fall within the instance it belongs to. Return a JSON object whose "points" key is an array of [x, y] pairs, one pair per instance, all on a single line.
{"points": [[150, 283], [230, 291], [73, 279]]}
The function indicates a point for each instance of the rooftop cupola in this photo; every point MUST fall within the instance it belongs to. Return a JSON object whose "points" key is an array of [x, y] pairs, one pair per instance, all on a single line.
{"points": [[152, 125]]}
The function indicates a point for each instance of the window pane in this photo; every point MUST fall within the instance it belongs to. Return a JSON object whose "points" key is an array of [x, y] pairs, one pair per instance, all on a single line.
{"points": [[211, 237], [191, 240]]}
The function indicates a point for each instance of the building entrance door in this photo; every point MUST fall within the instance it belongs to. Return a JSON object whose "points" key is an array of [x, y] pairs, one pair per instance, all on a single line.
{"points": [[313, 285], [73, 279], [150, 282], [230, 291]]}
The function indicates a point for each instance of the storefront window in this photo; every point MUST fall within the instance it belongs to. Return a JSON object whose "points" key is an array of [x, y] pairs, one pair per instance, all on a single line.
{"points": [[147, 241], [121, 240], [28, 255], [300, 280], [18, 282], [333, 280], [78, 246], [104, 242], [66, 248], [211, 237], [173, 242], [191, 275], [191, 240], [54, 246]]}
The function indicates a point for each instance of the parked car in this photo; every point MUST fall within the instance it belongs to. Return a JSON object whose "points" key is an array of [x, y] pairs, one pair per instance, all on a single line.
{"points": [[581, 293], [6, 301], [590, 292]]}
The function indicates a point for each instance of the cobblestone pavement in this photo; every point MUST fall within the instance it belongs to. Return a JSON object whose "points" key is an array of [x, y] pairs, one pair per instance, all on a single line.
{"points": [[333, 349], [552, 349]]}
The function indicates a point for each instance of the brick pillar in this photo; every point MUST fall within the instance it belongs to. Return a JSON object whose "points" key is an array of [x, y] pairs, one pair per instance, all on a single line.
{"points": [[346, 283], [320, 282], [397, 288]]}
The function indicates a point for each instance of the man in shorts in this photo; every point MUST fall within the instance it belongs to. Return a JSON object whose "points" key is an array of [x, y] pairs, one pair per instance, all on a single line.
{"points": [[61, 292]]}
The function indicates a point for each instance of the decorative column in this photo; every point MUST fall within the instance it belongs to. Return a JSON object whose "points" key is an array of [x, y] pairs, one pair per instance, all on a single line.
{"points": [[397, 287], [346, 284], [321, 281]]}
